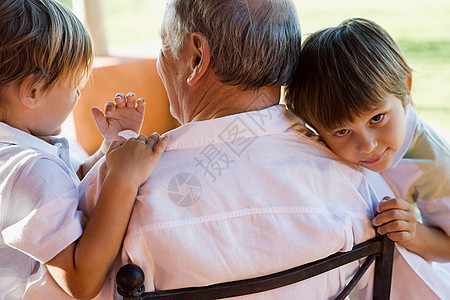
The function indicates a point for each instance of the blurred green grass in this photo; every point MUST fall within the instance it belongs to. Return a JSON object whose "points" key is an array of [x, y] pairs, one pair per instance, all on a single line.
{"points": [[422, 29]]}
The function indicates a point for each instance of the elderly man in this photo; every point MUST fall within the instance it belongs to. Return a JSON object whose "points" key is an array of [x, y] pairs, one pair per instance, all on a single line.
{"points": [[242, 190]]}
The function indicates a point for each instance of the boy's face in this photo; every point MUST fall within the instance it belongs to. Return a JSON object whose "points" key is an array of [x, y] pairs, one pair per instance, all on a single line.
{"points": [[372, 139], [54, 109]]}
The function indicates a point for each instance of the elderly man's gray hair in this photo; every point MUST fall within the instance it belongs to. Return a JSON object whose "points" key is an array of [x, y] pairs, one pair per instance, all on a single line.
{"points": [[254, 43]]}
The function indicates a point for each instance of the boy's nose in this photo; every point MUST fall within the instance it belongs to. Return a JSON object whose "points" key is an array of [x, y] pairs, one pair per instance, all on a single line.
{"points": [[366, 143]]}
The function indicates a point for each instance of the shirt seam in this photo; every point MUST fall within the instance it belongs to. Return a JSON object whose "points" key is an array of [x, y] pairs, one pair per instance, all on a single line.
{"points": [[237, 214]]}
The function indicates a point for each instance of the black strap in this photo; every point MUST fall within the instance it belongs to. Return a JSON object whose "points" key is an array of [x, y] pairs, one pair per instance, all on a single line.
{"points": [[372, 249]]}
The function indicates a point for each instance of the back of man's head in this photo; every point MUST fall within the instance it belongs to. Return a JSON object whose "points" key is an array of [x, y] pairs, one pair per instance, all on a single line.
{"points": [[254, 43]]}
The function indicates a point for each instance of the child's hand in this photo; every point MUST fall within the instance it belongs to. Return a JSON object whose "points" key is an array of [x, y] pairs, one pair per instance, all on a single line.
{"points": [[126, 113], [397, 219], [136, 159]]}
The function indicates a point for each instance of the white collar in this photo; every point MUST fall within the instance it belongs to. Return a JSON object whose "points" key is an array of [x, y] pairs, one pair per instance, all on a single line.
{"points": [[411, 124], [271, 120], [54, 146]]}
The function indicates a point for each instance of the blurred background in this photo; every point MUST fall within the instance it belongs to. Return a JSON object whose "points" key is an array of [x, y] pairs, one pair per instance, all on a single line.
{"points": [[421, 28]]}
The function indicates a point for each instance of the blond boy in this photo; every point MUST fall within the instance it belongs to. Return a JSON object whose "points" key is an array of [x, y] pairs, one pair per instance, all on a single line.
{"points": [[45, 56]]}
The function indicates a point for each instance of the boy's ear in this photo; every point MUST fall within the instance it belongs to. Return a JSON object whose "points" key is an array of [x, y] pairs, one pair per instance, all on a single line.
{"points": [[200, 58], [29, 93]]}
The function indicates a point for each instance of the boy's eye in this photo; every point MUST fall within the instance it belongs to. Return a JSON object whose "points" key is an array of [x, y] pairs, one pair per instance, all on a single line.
{"points": [[341, 132], [377, 119]]}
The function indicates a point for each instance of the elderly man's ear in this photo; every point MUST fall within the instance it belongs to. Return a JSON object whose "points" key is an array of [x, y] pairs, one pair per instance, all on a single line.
{"points": [[200, 57]]}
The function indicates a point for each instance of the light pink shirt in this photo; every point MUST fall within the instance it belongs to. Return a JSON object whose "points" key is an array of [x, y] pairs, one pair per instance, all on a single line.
{"points": [[244, 196]]}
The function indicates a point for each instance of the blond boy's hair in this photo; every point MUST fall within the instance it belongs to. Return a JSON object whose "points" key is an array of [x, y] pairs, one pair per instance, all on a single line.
{"points": [[345, 71], [42, 38]]}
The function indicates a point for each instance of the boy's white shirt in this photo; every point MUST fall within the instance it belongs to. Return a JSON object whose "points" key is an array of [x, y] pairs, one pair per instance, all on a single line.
{"points": [[401, 176], [46, 220]]}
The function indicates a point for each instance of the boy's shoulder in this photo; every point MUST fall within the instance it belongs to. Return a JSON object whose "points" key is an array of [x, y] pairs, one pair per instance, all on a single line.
{"points": [[427, 144], [11, 152], [13, 158], [15, 155], [16, 159], [18, 146], [426, 160]]}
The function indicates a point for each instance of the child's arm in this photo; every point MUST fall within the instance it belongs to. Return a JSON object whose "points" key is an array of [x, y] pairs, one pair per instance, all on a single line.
{"points": [[397, 219], [81, 269], [125, 113]]}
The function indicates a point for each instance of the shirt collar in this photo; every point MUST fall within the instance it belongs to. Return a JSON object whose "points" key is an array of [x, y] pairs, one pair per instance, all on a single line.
{"points": [[411, 123], [271, 120], [55, 146]]}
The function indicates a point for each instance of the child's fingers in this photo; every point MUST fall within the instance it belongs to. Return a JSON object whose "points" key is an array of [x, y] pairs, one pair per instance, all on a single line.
{"points": [[161, 145], [394, 203], [110, 108], [97, 112], [131, 144], [398, 231], [394, 215], [152, 140], [99, 118], [140, 105], [402, 236], [394, 226], [131, 100], [120, 100], [142, 139]]}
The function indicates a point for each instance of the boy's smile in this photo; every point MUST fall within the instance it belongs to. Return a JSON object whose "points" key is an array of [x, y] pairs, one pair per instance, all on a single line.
{"points": [[372, 139], [374, 160]]}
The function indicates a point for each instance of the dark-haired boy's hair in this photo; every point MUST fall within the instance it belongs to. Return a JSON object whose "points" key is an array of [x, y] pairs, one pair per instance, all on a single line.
{"points": [[345, 71]]}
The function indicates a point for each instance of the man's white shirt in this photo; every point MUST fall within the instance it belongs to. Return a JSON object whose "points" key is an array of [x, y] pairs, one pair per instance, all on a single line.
{"points": [[243, 196]]}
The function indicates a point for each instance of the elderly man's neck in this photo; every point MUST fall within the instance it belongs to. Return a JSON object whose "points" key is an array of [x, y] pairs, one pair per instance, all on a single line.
{"points": [[233, 100]]}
